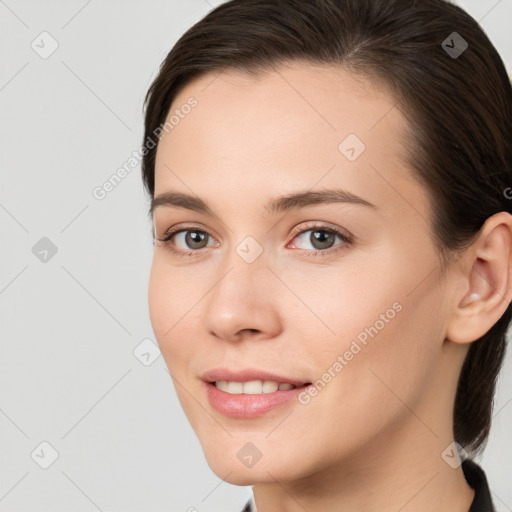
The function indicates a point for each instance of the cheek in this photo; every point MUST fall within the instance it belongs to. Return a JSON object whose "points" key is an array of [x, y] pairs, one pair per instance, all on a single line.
{"points": [[168, 311], [343, 304], [159, 299], [174, 295], [387, 361], [377, 338], [170, 296]]}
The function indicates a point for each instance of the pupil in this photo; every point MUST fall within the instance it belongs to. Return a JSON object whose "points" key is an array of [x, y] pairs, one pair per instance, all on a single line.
{"points": [[194, 237], [320, 237]]}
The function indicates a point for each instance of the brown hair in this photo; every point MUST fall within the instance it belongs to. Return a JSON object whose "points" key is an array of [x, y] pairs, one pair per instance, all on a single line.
{"points": [[458, 108]]}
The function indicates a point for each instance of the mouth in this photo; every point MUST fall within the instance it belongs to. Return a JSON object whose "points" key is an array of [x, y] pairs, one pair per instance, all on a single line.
{"points": [[255, 387], [250, 393], [251, 381]]}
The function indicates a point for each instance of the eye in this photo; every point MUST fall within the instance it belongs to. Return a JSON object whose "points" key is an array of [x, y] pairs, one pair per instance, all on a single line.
{"points": [[321, 239], [191, 238]]}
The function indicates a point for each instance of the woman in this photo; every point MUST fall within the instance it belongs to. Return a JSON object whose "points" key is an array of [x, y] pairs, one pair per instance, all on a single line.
{"points": [[331, 281]]}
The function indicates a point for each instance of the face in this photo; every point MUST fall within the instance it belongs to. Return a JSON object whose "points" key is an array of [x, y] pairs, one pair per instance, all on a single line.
{"points": [[324, 289]]}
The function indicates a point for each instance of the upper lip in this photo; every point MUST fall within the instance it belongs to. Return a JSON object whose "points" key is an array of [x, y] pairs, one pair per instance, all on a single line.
{"points": [[248, 374]]}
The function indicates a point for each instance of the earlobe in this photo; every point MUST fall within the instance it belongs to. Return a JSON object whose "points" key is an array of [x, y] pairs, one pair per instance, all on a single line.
{"points": [[488, 281]]}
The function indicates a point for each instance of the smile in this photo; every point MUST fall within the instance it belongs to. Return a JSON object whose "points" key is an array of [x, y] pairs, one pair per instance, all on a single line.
{"points": [[252, 387]]}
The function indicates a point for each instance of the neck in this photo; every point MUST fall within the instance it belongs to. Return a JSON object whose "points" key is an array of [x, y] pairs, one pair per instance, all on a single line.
{"points": [[410, 476]]}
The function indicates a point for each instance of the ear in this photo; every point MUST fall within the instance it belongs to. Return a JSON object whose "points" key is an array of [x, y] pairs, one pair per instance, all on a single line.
{"points": [[486, 271]]}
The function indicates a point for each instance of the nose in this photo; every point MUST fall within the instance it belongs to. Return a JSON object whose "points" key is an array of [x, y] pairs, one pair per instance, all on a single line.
{"points": [[244, 302]]}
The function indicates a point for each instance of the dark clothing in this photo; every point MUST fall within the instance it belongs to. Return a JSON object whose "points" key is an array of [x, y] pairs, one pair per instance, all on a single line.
{"points": [[476, 479]]}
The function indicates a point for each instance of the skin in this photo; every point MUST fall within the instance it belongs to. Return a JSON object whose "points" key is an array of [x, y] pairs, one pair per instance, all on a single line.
{"points": [[372, 439]]}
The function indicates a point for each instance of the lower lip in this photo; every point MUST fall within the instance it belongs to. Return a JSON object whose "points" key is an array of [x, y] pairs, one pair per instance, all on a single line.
{"points": [[248, 406]]}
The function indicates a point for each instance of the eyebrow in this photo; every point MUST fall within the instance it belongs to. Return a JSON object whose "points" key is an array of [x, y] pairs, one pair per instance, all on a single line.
{"points": [[279, 204]]}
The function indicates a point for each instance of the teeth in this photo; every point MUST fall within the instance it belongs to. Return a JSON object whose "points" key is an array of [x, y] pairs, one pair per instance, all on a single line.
{"points": [[222, 385], [235, 388], [270, 386], [253, 387]]}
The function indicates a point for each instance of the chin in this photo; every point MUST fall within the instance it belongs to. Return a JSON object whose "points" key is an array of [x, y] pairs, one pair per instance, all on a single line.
{"points": [[244, 478], [229, 465], [234, 474]]}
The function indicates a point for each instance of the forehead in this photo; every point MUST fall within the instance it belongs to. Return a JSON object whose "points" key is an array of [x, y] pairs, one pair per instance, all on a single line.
{"points": [[295, 102], [289, 128]]}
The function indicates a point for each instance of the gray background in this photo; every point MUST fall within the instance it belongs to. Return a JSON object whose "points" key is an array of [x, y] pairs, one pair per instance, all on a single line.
{"points": [[71, 324]]}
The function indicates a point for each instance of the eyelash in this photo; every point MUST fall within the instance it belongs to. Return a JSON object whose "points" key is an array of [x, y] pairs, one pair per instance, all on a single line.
{"points": [[169, 235]]}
